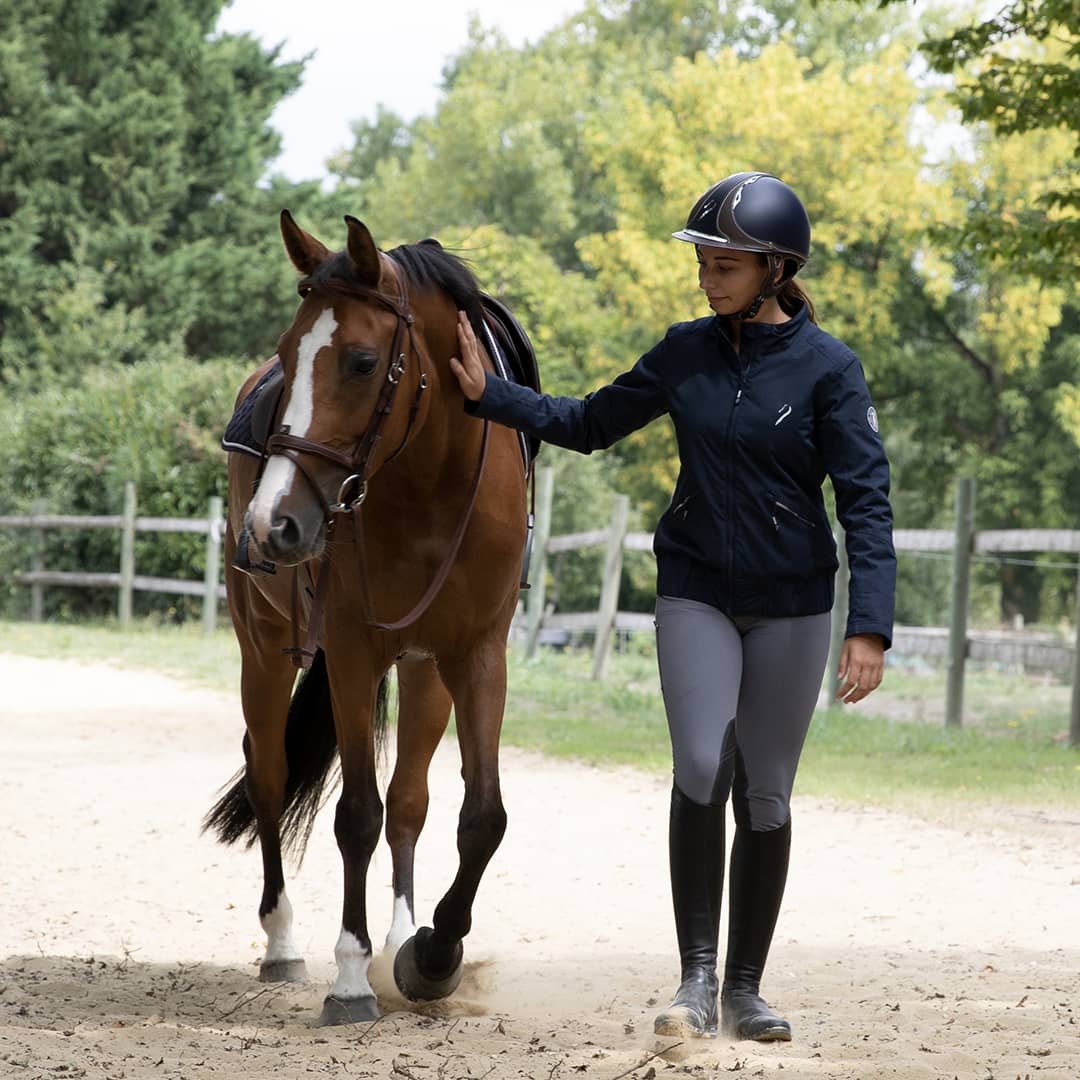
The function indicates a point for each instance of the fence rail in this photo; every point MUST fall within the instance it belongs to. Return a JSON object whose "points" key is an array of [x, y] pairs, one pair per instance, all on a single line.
{"points": [[125, 580], [955, 643]]}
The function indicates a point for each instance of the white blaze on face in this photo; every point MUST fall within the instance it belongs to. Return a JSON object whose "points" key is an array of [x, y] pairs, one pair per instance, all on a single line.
{"points": [[353, 962], [278, 478]]}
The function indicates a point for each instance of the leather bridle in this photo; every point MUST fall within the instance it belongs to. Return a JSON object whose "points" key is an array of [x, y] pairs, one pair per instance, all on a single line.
{"points": [[359, 466]]}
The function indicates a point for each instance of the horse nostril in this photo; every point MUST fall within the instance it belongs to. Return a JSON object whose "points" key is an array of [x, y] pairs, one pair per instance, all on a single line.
{"points": [[284, 533]]}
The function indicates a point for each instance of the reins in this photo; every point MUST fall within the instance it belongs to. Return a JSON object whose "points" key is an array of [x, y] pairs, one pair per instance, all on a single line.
{"points": [[358, 465]]}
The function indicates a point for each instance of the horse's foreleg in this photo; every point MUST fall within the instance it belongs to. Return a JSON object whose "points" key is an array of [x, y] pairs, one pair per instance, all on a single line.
{"points": [[265, 695], [357, 824], [423, 713], [430, 965]]}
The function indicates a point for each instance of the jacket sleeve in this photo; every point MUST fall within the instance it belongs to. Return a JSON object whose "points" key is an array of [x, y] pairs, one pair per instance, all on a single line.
{"points": [[856, 462], [583, 424]]}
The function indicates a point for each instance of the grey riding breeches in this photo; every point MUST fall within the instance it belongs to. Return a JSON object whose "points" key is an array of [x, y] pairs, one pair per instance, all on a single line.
{"points": [[739, 694]]}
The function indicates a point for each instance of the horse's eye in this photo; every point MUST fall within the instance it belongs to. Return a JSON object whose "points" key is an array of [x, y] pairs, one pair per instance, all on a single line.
{"points": [[358, 361]]}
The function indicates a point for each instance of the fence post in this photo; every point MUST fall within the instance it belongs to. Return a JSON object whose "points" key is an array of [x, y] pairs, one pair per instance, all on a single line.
{"points": [[609, 591], [839, 617], [961, 582], [37, 563], [1074, 715], [213, 565], [534, 604], [127, 556]]}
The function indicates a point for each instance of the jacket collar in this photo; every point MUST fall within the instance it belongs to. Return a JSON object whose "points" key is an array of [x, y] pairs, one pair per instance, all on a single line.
{"points": [[766, 337]]}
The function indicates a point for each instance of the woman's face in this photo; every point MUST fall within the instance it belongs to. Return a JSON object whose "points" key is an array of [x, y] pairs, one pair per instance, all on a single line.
{"points": [[730, 279]]}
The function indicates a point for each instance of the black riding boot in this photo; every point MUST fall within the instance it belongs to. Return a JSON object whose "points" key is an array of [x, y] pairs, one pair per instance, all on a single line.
{"points": [[759, 863], [696, 848]]}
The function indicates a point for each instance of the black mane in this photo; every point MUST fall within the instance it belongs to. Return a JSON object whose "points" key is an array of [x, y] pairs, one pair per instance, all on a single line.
{"points": [[429, 265], [426, 265]]}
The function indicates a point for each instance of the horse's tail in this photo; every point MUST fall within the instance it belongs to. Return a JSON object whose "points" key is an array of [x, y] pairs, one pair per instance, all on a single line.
{"points": [[311, 753]]}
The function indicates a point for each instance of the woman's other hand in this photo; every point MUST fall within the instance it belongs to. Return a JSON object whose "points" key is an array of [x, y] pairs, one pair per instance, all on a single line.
{"points": [[862, 663], [469, 370]]}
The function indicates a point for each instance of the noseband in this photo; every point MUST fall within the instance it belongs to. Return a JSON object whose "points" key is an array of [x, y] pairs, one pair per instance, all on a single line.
{"points": [[359, 465]]}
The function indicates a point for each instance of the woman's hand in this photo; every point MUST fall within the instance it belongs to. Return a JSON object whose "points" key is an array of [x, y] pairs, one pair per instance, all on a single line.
{"points": [[469, 370], [862, 663]]}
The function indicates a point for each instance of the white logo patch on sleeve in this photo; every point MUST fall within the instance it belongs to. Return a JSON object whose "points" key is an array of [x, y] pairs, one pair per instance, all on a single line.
{"points": [[871, 418]]}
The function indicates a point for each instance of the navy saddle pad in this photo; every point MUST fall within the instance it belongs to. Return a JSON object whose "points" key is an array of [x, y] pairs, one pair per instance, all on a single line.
{"points": [[253, 419]]}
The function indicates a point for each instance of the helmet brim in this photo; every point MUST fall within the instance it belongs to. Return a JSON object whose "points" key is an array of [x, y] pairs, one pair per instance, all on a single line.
{"points": [[704, 239]]}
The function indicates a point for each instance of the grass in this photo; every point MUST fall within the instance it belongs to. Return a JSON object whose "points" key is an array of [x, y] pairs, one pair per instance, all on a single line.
{"points": [[182, 650], [892, 750]]}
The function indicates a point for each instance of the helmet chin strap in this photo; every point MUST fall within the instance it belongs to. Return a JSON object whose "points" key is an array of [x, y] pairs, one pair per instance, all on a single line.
{"points": [[769, 287]]}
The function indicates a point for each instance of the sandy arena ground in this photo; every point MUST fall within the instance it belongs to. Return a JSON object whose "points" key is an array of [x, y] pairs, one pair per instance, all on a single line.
{"points": [[129, 944]]}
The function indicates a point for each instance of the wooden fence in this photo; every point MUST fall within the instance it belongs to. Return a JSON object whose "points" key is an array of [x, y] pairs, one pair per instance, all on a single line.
{"points": [[537, 625], [954, 642], [125, 580]]}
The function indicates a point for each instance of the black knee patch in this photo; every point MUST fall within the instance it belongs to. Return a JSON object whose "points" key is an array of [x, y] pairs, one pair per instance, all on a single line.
{"points": [[727, 769]]}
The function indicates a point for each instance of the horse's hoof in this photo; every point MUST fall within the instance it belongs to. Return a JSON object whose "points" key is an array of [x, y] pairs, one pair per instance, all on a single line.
{"points": [[413, 982], [337, 1011], [291, 971]]}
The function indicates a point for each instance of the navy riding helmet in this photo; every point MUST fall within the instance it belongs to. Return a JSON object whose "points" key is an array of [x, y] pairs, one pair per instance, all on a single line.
{"points": [[753, 211]]}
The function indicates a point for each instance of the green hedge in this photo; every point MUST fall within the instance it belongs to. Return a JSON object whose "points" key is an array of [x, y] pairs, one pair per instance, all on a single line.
{"points": [[74, 443]]}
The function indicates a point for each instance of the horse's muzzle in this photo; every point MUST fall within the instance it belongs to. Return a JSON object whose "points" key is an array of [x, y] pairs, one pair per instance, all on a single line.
{"points": [[289, 542]]}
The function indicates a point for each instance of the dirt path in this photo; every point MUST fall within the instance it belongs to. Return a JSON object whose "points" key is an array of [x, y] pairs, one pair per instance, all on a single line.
{"points": [[129, 944]]}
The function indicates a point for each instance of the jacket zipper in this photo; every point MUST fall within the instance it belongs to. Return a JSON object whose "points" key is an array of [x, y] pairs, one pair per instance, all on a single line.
{"points": [[794, 513], [743, 370]]}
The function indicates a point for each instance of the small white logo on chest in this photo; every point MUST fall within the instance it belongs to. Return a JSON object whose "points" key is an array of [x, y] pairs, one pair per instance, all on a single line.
{"points": [[785, 412]]}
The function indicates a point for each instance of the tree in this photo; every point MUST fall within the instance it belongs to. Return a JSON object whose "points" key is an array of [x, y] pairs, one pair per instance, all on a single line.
{"points": [[1018, 70], [505, 146], [132, 143], [526, 139]]}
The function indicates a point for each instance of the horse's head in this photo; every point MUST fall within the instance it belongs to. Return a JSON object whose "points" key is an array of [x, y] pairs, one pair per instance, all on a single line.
{"points": [[348, 357]]}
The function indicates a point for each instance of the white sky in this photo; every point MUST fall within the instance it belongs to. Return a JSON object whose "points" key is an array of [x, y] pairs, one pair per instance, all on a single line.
{"points": [[370, 52]]}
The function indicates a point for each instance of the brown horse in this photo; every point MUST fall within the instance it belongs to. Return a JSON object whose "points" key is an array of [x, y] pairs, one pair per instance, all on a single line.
{"points": [[390, 527]]}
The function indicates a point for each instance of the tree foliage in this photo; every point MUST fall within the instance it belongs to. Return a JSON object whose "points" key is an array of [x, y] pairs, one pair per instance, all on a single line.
{"points": [[136, 227], [590, 146], [1017, 70], [132, 143], [156, 423]]}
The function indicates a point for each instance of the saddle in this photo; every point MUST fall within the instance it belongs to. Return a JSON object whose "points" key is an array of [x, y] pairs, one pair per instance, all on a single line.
{"points": [[513, 355], [254, 420]]}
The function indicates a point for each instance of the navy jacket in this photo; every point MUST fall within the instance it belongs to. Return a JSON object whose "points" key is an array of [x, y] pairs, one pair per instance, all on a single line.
{"points": [[758, 431]]}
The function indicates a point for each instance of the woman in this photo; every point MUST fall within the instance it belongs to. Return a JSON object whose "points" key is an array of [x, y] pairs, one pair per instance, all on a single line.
{"points": [[765, 405]]}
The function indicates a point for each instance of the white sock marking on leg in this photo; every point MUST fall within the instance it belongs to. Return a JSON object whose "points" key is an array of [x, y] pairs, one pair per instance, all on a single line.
{"points": [[278, 926], [402, 928], [353, 962]]}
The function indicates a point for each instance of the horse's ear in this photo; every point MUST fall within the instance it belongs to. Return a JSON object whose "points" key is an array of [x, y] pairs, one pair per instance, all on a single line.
{"points": [[304, 250], [363, 252]]}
